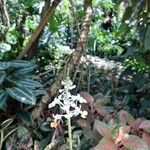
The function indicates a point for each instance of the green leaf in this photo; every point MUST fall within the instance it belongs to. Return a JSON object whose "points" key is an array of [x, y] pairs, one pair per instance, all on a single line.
{"points": [[6, 123], [21, 64], [4, 65], [147, 39], [44, 143], [53, 25], [3, 98], [45, 127], [38, 92], [127, 14], [25, 116], [22, 95], [123, 30], [2, 76], [4, 47], [21, 132], [28, 83], [25, 70]]}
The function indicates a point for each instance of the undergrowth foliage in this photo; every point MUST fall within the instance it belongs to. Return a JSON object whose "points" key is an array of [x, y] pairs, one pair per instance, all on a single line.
{"points": [[6, 131], [118, 130], [112, 108], [128, 133], [17, 81], [104, 130]]}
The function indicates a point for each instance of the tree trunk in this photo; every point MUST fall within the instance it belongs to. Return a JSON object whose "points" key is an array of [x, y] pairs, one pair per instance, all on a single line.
{"points": [[39, 29], [34, 48]]}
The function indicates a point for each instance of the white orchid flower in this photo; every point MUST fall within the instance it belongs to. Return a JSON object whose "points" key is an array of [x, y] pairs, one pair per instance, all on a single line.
{"points": [[69, 104]]}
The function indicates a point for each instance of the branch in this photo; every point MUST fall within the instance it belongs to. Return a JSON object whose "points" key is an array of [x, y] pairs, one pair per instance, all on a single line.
{"points": [[41, 26], [71, 64], [33, 49]]}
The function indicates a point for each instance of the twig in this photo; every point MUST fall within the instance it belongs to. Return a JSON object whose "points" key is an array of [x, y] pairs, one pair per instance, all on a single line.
{"points": [[89, 79]]}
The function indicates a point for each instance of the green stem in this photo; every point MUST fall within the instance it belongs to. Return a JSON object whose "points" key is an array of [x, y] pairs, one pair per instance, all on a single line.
{"points": [[1, 139], [69, 132]]}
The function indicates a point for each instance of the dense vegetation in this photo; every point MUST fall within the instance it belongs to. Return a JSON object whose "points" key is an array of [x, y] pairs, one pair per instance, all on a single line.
{"points": [[75, 75]]}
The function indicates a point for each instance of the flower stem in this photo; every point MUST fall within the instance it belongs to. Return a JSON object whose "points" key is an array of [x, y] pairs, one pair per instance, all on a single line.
{"points": [[70, 133]]}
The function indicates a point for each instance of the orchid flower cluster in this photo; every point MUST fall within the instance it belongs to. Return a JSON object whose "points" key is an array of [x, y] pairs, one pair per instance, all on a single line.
{"points": [[69, 104]]}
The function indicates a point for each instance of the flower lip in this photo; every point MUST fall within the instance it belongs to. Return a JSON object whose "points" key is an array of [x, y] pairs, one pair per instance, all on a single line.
{"points": [[84, 114]]}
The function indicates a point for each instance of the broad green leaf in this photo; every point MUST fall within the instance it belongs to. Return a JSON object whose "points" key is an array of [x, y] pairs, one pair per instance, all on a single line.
{"points": [[44, 143], [147, 39], [21, 64], [102, 128], [121, 11], [26, 70], [5, 65], [28, 83], [127, 14], [22, 95], [38, 92], [4, 47], [2, 76], [46, 127], [6, 123], [123, 30], [25, 116], [21, 132], [53, 24], [3, 98], [12, 36]]}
